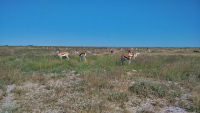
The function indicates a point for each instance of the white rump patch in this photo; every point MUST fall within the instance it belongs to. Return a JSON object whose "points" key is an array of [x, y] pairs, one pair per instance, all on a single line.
{"points": [[63, 55]]}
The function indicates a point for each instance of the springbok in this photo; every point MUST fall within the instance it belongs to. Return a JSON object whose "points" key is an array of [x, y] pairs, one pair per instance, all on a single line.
{"points": [[136, 54], [81, 55], [130, 51], [128, 57], [148, 50], [196, 51], [112, 51], [62, 54]]}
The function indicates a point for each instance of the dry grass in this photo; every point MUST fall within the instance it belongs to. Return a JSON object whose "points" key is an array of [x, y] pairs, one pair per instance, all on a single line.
{"points": [[99, 84]]}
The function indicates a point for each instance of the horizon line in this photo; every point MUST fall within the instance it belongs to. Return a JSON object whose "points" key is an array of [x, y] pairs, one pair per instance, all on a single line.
{"points": [[97, 46]]}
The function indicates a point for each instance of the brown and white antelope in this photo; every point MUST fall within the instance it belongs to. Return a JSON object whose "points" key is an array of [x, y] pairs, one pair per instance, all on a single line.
{"points": [[136, 54], [148, 50], [127, 56], [62, 54], [196, 51], [112, 51], [81, 55], [130, 51]]}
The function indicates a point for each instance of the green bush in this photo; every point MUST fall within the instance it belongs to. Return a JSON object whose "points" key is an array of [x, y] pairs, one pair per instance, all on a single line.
{"points": [[145, 89]]}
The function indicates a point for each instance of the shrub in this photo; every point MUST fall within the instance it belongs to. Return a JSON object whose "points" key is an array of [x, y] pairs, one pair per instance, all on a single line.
{"points": [[145, 89]]}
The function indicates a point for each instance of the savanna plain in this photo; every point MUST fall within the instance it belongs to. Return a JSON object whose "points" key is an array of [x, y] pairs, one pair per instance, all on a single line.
{"points": [[34, 79]]}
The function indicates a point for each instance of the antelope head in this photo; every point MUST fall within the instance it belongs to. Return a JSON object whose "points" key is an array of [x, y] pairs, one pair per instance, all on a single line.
{"points": [[77, 52], [57, 51], [131, 55], [138, 53]]}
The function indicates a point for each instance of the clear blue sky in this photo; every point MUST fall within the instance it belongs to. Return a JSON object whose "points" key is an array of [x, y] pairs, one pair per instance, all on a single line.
{"points": [[134, 23]]}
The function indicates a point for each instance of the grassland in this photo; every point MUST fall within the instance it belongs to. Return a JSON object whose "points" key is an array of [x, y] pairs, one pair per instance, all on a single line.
{"points": [[35, 79]]}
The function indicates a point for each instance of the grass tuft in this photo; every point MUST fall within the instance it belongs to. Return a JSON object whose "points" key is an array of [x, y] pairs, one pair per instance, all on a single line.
{"points": [[146, 89], [118, 97]]}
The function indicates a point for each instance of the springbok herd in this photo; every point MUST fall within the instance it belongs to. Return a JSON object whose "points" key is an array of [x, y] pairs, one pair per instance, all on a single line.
{"points": [[129, 56]]}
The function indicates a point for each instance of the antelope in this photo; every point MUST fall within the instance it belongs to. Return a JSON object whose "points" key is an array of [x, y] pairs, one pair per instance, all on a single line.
{"points": [[128, 57], [136, 54], [112, 51], [148, 50], [196, 51], [130, 51], [81, 55], [62, 54]]}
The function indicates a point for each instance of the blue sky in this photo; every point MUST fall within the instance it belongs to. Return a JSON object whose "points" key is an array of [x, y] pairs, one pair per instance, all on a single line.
{"points": [[114, 23]]}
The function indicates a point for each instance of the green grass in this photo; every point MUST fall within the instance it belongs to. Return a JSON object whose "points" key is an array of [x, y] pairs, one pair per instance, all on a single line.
{"points": [[146, 89], [99, 72], [172, 68]]}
